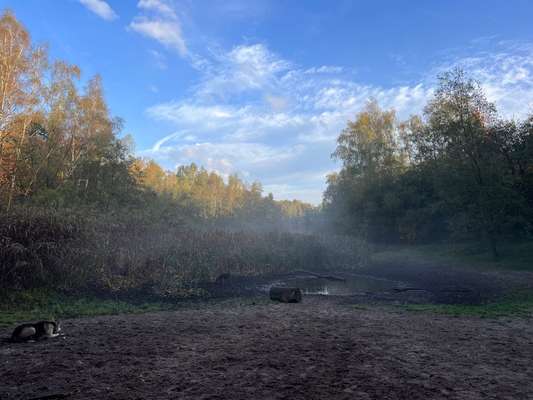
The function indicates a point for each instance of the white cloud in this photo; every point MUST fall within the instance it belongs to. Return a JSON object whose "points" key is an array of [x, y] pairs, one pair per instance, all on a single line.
{"points": [[166, 32], [100, 8], [506, 75], [161, 24], [325, 69], [244, 68], [157, 6], [258, 114], [228, 122], [277, 103]]}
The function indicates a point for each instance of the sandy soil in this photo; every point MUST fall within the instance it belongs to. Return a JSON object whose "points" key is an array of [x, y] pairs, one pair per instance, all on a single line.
{"points": [[319, 349]]}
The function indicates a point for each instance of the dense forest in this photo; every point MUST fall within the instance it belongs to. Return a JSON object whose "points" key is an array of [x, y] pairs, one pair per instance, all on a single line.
{"points": [[458, 172]]}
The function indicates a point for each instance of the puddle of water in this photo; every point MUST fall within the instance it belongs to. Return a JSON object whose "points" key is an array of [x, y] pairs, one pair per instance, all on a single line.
{"points": [[352, 285], [383, 288]]}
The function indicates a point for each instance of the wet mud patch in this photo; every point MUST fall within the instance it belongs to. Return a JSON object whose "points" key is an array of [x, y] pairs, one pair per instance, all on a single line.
{"points": [[384, 284]]}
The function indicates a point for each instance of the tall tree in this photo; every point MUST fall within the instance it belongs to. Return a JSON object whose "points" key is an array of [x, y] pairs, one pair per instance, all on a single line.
{"points": [[368, 144], [21, 69], [460, 145]]}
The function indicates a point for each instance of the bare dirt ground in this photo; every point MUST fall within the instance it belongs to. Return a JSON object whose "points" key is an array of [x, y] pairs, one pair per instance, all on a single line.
{"points": [[319, 349]]}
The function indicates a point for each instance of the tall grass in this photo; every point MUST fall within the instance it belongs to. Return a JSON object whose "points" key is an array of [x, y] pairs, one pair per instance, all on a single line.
{"points": [[135, 252]]}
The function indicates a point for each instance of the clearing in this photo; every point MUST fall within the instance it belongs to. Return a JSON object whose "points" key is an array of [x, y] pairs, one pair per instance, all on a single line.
{"points": [[321, 348], [366, 345]]}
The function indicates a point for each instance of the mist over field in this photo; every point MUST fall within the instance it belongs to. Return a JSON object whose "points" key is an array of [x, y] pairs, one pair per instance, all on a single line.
{"points": [[265, 218]]}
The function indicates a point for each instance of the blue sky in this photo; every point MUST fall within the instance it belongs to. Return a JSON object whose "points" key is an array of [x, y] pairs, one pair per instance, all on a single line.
{"points": [[263, 88]]}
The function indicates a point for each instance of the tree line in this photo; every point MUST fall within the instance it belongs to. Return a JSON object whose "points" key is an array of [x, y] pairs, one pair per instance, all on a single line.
{"points": [[80, 212], [458, 171], [61, 147]]}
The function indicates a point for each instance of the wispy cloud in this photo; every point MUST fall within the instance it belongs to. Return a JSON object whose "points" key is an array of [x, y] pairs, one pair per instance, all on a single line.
{"points": [[167, 33], [100, 8], [244, 68], [506, 76], [159, 21], [159, 58], [158, 6], [258, 114]]}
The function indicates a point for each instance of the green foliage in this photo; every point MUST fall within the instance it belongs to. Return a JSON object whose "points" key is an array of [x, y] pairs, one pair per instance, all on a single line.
{"points": [[459, 172], [205, 196], [367, 145]]}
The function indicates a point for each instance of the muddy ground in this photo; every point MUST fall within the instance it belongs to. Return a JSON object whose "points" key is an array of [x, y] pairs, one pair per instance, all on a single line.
{"points": [[322, 348], [393, 283], [328, 347]]}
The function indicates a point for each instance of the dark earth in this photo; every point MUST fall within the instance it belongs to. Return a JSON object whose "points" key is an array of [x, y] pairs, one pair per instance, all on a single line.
{"points": [[326, 347]]}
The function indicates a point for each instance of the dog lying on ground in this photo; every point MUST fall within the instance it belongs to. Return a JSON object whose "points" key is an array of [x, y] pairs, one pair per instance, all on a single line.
{"points": [[36, 331]]}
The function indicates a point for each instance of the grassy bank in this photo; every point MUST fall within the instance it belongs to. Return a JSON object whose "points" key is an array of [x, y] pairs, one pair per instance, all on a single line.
{"points": [[518, 304], [34, 305], [29, 305], [517, 256]]}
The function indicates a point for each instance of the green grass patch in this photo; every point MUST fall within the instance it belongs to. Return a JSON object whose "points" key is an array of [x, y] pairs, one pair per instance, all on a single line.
{"points": [[516, 256], [30, 305], [518, 304]]}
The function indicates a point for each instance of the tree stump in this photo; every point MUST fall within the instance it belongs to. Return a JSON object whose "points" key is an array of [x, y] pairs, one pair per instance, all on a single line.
{"points": [[286, 295]]}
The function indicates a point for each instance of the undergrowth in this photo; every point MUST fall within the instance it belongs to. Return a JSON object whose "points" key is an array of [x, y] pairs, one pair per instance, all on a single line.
{"points": [[123, 252]]}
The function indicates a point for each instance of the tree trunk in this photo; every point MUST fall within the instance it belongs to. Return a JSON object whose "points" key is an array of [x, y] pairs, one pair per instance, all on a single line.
{"points": [[18, 152], [286, 295]]}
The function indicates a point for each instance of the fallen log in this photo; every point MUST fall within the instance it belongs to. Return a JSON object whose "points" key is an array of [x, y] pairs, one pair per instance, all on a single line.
{"points": [[286, 295]]}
